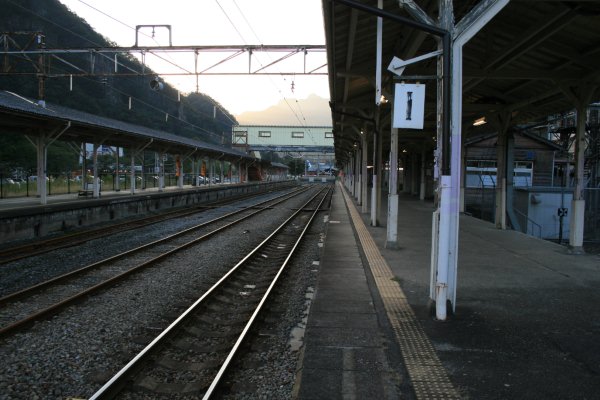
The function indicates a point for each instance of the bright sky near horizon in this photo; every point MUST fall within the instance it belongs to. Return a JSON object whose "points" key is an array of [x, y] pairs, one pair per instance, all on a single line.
{"points": [[221, 22]]}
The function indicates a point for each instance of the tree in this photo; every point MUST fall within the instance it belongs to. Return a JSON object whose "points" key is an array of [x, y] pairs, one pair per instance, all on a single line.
{"points": [[296, 166]]}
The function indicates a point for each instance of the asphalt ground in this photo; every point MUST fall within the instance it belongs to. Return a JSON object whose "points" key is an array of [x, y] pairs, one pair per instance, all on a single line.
{"points": [[527, 320]]}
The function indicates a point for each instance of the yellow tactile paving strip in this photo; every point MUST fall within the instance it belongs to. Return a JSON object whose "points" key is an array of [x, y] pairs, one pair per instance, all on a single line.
{"points": [[427, 375]]}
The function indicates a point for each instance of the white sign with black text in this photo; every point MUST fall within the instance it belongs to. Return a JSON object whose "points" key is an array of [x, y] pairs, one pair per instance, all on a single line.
{"points": [[409, 106]]}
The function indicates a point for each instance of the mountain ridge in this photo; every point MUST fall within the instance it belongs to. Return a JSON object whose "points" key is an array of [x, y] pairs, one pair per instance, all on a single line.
{"points": [[311, 111]]}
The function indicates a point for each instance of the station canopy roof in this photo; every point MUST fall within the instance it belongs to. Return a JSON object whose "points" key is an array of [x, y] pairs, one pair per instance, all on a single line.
{"points": [[22, 115], [530, 61]]}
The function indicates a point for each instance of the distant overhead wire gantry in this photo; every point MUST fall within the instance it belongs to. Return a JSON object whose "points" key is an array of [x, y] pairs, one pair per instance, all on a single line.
{"points": [[35, 50]]}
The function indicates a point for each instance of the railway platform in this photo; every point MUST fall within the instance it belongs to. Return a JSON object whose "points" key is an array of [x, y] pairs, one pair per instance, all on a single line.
{"points": [[31, 202], [24, 218], [526, 326]]}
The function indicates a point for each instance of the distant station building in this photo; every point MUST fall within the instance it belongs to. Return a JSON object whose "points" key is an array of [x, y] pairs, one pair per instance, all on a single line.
{"points": [[310, 145]]}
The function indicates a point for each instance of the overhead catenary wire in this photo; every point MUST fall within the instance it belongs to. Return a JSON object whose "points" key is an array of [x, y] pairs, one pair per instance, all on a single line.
{"points": [[156, 55], [125, 66], [245, 42], [301, 121]]}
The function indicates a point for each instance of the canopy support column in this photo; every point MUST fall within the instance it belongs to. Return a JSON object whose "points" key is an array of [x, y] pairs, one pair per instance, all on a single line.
{"points": [[423, 167], [392, 219], [447, 254], [581, 98], [502, 157], [96, 179], [364, 172]]}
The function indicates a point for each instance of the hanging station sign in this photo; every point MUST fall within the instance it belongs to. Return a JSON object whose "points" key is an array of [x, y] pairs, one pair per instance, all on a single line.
{"points": [[409, 106]]}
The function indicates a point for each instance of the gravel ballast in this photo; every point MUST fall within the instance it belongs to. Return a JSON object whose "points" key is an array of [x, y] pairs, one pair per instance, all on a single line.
{"points": [[76, 351]]}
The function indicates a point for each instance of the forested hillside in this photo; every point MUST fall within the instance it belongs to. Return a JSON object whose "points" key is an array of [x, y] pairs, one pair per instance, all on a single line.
{"points": [[107, 95]]}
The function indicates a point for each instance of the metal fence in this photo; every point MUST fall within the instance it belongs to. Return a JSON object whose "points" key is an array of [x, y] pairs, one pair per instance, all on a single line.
{"points": [[592, 215], [67, 183]]}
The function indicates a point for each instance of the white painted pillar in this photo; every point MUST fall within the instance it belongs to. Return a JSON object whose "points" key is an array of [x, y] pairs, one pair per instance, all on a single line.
{"points": [[423, 167], [392, 216], [501, 148], [374, 221], [461, 205], [377, 134], [42, 156], [96, 183], [450, 184], [352, 167], [83, 165], [576, 224], [132, 172], [357, 177], [161, 171], [379, 176], [197, 163], [117, 174], [444, 250], [364, 173]]}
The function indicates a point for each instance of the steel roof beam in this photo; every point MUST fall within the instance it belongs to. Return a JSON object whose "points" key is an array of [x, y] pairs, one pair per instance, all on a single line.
{"points": [[538, 33]]}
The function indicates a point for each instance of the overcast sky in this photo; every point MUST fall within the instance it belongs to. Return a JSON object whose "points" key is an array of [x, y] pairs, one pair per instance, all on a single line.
{"points": [[221, 22]]}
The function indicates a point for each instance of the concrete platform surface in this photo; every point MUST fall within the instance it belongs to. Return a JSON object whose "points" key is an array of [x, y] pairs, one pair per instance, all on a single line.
{"points": [[527, 321]]}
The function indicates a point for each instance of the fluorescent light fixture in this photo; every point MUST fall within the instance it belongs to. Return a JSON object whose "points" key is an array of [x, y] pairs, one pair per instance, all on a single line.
{"points": [[479, 121]]}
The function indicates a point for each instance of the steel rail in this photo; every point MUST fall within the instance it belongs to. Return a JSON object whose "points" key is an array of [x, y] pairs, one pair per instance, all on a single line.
{"points": [[6, 255], [41, 285], [111, 388], [211, 390], [13, 327]]}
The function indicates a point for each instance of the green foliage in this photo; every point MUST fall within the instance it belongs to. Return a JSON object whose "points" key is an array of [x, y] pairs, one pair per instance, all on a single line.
{"points": [[62, 158], [106, 95], [296, 166], [15, 152], [18, 154]]}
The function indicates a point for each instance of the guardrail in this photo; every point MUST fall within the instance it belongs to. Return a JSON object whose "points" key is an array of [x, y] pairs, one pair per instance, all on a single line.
{"points": [[533, 224]]}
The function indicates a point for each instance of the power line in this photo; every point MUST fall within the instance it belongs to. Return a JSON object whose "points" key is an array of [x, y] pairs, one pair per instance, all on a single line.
{"points": [[260, 41], [133, 97], [156, 55]]}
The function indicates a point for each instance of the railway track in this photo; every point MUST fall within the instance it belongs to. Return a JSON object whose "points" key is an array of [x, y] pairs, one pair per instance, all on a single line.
{"points": [[15, 253], [191, 356], [47, 298]]}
